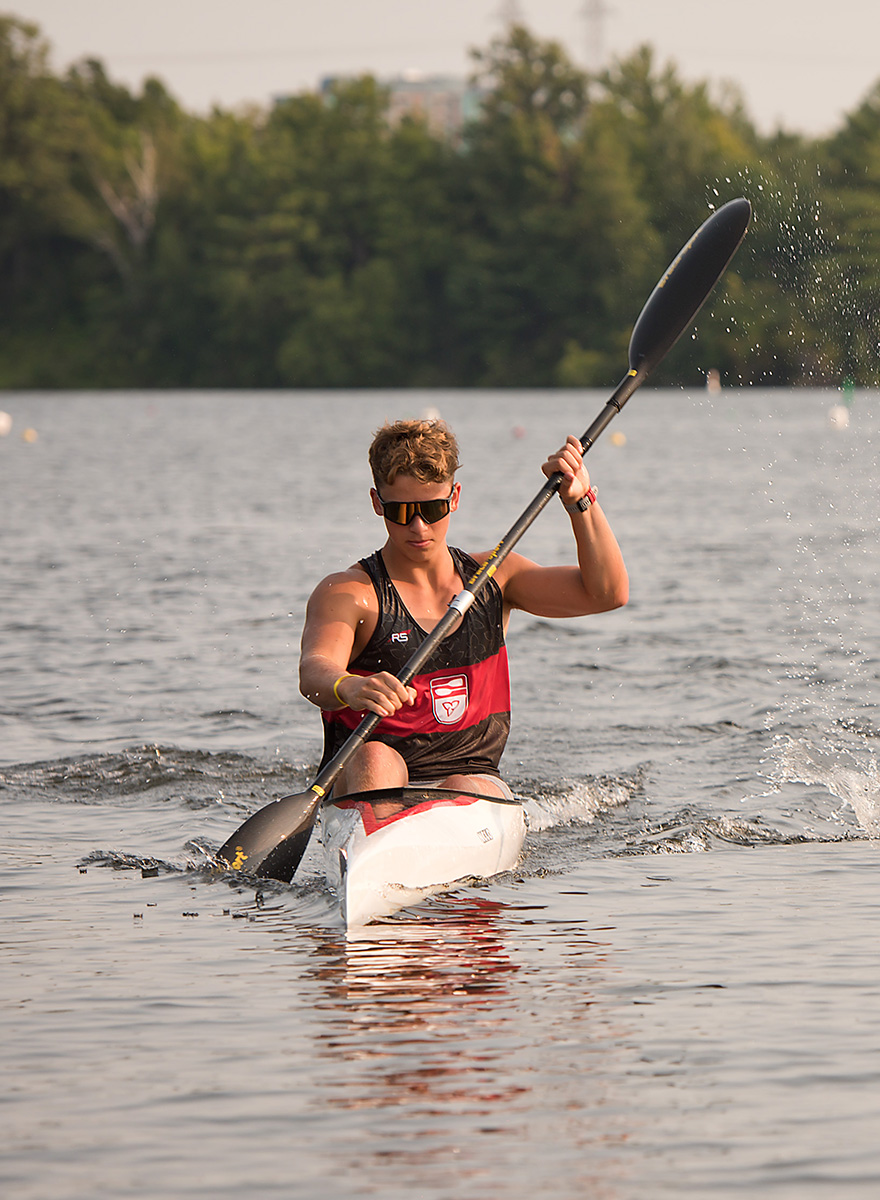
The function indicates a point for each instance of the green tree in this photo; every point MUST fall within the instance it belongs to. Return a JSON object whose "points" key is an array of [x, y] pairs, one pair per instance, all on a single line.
{"points": [[684, 155], [42, 214], [547, 223], [320, 245], [679, 144], [335, 256], [851, 206]]}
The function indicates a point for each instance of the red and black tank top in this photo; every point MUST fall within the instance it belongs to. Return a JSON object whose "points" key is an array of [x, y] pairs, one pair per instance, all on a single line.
{"points": [[461, 718]]}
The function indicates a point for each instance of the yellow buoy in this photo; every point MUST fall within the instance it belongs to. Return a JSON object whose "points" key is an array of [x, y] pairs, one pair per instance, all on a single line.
{"points": [[29, 435], [618, 438]]}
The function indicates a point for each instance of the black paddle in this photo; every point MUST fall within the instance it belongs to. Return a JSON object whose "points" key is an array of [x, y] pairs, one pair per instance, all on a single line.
{"points": [[272, 842]]}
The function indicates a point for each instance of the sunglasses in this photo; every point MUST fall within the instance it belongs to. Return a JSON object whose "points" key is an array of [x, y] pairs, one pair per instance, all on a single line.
{"points": [[401, 512]]}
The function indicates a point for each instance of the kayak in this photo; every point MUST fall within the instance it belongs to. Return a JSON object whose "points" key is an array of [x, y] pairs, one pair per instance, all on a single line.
{"points": [[386, 850]]}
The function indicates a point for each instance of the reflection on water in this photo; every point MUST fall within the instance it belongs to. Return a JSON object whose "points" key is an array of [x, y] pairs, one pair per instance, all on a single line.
{"points": [[398, 998], [456, 1045]]}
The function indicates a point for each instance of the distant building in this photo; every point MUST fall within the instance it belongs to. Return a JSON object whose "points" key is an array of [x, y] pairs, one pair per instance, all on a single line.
{"points": [[444, 102]]}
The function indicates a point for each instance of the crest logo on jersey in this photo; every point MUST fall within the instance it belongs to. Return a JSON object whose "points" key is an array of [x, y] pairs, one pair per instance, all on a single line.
{"points": [[403, 636], [449, 698]]}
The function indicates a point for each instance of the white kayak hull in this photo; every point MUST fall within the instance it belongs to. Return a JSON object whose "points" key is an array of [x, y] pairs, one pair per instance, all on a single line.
{"points": [[387, 850]]}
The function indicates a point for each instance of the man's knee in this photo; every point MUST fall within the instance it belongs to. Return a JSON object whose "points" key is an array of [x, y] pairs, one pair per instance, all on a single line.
{"points": [[373, 765], [377, 754]]}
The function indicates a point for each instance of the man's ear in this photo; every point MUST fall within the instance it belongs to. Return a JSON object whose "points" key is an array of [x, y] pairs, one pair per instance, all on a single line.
{"points": [[377, 504], [456, 496]]}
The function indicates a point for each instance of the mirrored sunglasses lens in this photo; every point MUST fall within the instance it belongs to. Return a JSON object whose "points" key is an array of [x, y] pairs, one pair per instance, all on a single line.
{"points": [[401, 512], [433, 510], [394, 512]]}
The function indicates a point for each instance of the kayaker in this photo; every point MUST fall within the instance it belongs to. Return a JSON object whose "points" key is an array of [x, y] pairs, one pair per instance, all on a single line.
{"points": [[362, 624]]}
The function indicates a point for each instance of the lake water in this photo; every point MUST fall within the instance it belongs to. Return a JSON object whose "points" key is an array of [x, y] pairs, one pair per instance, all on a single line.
{"points": [[678, 993]]}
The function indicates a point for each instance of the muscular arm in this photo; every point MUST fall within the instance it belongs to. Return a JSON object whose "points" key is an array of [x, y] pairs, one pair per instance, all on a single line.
{"points": [[340, 618], [598, 583]]}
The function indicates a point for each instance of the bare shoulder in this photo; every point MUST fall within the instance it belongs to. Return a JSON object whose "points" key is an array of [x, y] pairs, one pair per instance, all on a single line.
{"points": [[349, 590], [341, 616]]}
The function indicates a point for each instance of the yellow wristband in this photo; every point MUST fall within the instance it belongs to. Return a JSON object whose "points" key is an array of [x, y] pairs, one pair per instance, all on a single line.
{"points": [[347, 675]]}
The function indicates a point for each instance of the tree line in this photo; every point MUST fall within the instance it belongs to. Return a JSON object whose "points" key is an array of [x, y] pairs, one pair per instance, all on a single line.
{"points": [[318, 245]]}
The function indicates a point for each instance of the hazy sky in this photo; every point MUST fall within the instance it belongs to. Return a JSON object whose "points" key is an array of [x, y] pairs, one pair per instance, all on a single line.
{"points": [[799, 63]]}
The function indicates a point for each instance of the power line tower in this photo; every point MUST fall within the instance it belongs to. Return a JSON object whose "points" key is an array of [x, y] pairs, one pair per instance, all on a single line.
{"points": [[510, 13], [594, 13]]}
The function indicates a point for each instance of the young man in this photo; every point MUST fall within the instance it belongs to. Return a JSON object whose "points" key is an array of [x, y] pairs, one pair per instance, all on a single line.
{"points": [[362, 625]]}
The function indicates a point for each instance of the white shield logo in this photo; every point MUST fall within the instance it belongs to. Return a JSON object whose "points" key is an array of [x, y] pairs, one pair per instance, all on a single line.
{"points": [[449, 698]]}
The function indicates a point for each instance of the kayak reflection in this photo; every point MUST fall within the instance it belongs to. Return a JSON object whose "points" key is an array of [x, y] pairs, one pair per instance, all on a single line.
{"points": [[419, 1008]]}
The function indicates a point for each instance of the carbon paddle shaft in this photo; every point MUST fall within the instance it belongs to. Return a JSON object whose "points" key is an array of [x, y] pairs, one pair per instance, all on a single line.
{"points": [[285, 824]]}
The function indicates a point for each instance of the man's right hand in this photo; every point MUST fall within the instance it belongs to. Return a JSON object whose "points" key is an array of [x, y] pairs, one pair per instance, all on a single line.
{"points": [[382, 694]]}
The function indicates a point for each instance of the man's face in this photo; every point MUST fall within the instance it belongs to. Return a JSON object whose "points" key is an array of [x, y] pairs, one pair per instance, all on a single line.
{"points": [[420, 535]]}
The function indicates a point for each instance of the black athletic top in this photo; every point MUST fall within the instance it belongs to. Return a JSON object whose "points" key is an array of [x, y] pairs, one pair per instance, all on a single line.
{"points": [[461, 718]]}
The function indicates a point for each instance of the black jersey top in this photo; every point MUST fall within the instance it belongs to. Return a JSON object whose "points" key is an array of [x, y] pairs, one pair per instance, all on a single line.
{"points": [[461, 717]]}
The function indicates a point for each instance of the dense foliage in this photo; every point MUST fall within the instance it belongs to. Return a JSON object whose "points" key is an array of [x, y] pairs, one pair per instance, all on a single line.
{"points": [[317, 245]]}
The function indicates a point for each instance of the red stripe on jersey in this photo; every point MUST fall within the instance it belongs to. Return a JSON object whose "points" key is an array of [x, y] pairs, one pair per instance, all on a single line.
{"points": [[440, 698]]}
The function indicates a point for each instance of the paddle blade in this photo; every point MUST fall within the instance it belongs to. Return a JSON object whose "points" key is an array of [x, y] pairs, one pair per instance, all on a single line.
{"points": [[271, 843], [686, 285]]}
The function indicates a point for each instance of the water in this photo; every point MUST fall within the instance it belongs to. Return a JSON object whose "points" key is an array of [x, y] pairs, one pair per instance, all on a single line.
{"points": [[677, 992]]}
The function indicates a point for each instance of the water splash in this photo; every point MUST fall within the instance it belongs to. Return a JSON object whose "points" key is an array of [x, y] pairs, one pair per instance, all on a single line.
{"points": [[577, 802], [796, 760], [804, 318]]}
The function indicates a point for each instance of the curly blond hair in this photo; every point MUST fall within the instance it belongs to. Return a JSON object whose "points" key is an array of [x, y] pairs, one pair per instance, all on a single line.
{"points": [[425, 449]]}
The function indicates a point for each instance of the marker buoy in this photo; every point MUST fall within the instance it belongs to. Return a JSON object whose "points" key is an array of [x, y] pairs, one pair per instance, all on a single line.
{"points": [[838, 416]]}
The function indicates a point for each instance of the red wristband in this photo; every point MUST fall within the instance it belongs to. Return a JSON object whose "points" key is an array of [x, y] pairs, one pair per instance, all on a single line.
{"points": [[586, 501]]}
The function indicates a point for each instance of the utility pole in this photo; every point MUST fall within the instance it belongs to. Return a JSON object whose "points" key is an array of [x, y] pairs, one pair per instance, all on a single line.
{"points": [[594, 13]]}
